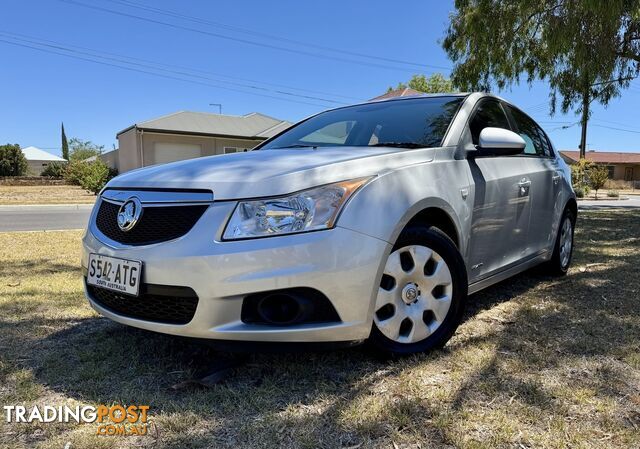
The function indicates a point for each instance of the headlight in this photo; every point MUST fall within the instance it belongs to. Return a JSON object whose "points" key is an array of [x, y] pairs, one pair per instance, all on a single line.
{"points": [[309, 210]]}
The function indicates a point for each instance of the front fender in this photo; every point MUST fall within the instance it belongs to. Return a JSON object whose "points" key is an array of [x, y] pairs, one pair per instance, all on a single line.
{"points": [[384, 206]]}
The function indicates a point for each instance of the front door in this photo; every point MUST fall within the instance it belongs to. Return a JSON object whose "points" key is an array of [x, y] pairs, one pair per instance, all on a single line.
{"points": [[501, 187], [628, 174]]}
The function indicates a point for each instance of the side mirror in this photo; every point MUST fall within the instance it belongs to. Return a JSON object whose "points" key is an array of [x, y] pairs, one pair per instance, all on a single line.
{"points": [[501, 142]]}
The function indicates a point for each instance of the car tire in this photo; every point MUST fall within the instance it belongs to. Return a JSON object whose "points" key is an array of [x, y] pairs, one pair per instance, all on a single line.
{"points": [[424, 264], [560, 261]]}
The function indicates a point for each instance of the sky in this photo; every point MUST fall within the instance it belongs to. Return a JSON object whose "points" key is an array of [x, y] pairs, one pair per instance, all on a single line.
{"points": [[100, 66]]}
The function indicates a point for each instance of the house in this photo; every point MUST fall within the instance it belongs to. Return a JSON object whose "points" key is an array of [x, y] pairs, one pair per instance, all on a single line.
{"points": [[186, 135], [401, 92], [38, 160], [621, 166]]}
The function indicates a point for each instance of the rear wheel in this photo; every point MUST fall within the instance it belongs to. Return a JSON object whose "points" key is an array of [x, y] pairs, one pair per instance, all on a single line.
{"points": [[421, 295], [563, 248]]}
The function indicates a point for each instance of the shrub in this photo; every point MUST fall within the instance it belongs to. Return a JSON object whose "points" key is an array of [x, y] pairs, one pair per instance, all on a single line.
{"points": [[580, 192], [12, 161], [580, 174], [598, 177], [95, 177], [613, 194], [75, 172], [55, 170]]}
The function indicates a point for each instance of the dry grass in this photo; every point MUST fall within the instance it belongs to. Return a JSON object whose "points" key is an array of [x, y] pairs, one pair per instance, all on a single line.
{"points": [[538, 362], [10, 195]]}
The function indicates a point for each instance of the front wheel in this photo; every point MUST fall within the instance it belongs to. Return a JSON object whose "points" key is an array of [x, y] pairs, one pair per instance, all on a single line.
{"points": [[421, 295]]}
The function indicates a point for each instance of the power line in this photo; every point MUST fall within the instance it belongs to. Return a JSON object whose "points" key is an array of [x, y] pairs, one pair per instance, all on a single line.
{"points": [[616, 129], [133, 69], [95, 54], [177, 14], [150, 65], [126, 59], [615, 123], [230, 38]]}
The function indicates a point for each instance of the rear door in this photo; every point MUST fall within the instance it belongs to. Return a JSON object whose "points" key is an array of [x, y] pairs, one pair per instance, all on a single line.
{"points": [[544, 174], [501, 206]]}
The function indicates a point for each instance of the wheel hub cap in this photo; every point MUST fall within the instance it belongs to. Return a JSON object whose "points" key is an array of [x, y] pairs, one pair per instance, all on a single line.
{"points": [[414, 296], [410, 293]]}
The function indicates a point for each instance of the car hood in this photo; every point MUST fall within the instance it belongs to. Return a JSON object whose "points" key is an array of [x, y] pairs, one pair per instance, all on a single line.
{"points": [[271, 172]]}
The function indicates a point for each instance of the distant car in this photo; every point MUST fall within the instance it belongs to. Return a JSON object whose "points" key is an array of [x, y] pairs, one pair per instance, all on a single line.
{"points": [[371, 221]]}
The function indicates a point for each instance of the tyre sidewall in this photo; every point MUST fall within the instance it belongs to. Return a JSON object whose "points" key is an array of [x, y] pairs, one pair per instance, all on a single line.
{"points": [[439, 242], [556, 260]]}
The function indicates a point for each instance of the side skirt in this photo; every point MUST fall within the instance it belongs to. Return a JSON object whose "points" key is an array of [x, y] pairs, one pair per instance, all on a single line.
{"points": [[509, 272]]}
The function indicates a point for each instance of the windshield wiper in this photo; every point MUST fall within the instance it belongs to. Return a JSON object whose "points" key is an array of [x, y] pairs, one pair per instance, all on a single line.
{"points": [[296, 145], [398, 144]]}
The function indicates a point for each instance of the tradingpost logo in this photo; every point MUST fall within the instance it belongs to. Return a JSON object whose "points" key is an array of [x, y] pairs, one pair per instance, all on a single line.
{"points": [[112, 420]]}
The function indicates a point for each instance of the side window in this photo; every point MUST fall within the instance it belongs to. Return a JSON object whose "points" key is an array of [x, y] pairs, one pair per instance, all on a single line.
{"points": [[536, 139], [488, 114]]}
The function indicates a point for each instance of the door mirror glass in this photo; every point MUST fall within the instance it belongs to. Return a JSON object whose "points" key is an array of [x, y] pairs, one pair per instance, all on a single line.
{"points": [[501, 142]]}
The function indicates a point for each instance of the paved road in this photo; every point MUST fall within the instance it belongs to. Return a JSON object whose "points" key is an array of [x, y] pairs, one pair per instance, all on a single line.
{"points": [[632, 203], [56, 217], [44, 218]]}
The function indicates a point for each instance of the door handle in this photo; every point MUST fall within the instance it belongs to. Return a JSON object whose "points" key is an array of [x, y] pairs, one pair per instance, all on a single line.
{"points": [[556, 178], [523, 187]]}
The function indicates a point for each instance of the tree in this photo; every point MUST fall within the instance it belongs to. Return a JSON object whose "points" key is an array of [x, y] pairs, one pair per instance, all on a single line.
{"points": [[12, 161], [587, 50], [83, 149], [598, 177], [435, 83], [65, 145], [580, 175]]}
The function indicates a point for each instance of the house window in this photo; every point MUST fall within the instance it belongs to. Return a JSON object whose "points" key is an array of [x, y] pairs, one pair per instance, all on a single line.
{"points": [[610, 169], [228, 150]]}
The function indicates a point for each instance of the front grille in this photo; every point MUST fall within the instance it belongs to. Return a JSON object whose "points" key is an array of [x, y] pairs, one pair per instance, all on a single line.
{"points": [[158, 303], [157, 224]]}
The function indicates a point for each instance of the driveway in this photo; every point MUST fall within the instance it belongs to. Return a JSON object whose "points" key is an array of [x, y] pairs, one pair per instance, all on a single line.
{"points": [[44, 218]]}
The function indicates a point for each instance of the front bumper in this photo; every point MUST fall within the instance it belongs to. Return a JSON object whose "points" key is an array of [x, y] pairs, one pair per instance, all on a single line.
{"points": [[344, 265]]}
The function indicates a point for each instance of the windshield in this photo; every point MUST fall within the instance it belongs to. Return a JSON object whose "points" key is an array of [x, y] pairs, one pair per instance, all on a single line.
{"points": [[410, 123]]}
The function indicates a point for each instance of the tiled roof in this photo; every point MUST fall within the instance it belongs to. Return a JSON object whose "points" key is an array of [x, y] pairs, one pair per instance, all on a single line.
{"points": [[604, 157], [253, 125], [398, 93]]}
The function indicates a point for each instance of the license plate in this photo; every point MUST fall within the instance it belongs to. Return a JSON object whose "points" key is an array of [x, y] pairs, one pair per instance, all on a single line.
{"points": [[112, 273]]}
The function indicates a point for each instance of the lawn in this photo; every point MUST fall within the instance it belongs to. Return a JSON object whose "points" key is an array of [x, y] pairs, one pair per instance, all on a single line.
{"points": [[538, 362], [13, 195]]}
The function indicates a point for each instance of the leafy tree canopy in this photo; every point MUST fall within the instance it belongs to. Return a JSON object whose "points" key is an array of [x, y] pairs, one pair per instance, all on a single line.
{"points": [[83, 149], [433, 84], [12, 161], [577, 46]]}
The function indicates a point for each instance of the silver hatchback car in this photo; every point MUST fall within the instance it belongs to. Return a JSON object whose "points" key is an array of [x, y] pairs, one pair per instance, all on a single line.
{"points": [[367, 222]]}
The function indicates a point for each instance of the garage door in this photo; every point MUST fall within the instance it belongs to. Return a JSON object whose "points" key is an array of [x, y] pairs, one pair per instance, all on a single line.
{"points": [[169, 152]]}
